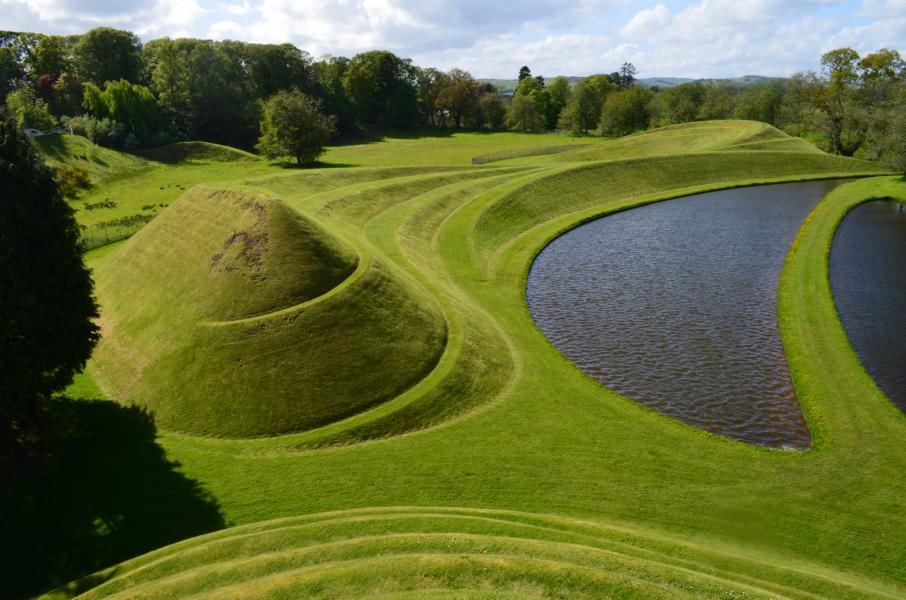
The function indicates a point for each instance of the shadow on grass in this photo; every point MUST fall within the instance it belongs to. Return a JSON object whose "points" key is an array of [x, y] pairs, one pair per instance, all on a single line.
{"points": [[104, 492], [293, 165]]}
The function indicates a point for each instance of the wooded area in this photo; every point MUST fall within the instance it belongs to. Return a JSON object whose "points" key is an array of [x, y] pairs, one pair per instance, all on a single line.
{"points": [[111, 88]]}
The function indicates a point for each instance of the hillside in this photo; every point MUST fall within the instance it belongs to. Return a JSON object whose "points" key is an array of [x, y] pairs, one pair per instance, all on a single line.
{"points": [[414, 434], [77, 152], [231, 315], [686, 138], [508, 86]]}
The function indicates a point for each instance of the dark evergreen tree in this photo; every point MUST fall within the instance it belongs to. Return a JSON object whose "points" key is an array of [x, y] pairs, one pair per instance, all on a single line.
{"points": [[46, 303]]}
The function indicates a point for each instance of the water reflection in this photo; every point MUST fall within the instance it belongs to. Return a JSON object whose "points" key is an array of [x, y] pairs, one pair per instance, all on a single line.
{"points": [[868, 277], [674, 305]]}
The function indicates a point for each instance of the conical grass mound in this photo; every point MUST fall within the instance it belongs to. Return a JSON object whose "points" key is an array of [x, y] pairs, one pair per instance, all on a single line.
{"points": [[231, 315]]}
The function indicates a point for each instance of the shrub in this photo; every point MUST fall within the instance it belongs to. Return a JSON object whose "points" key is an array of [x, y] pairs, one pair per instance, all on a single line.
{"points": [[28, 110], [71, 179], [103, 132]]}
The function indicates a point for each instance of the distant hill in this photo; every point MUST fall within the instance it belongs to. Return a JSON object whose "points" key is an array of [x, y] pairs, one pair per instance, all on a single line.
{"points": [[508, 86], [743, 81]]}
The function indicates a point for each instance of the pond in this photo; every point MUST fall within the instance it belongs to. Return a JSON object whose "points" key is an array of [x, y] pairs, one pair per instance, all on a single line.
{"points": [[868, 278], [674, 305]]}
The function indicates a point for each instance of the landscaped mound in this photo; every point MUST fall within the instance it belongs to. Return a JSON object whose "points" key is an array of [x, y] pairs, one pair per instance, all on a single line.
{"points": [[77, 152], [703, 136], [414, 552], [183, 152], [231, 315]]}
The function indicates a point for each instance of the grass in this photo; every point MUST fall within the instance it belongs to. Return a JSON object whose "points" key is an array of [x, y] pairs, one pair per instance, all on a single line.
{"points": [[231, 315], [101, 164], [448, 148], [418, 552], [686, 138], [504, 471]]}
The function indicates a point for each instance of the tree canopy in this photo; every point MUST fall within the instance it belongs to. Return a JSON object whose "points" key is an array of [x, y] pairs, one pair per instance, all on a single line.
{"points": [[293, 125], [626, 111], [105, 54], [46, 303], [381, 87]]}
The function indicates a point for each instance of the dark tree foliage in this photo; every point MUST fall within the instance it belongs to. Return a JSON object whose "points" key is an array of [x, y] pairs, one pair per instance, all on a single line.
{"points": [[275, 68], [105, 54], [44, 87], [329, 73], [627, 75], [524, 72], [46, 305], [381, 87]]}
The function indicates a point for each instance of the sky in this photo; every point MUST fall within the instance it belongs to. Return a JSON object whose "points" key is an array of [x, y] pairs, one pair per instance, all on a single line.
{"points": [[493, 38]]}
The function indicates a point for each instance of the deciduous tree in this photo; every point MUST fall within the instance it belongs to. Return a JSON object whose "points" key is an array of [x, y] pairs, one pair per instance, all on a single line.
{"points": [[105, 54], [293, 125], [459, 99], [127, 103], [381, 88], [835, 96], [28, 110], [493, 111], [559, 92], [523, 115], [626, 111], [583, 112]]}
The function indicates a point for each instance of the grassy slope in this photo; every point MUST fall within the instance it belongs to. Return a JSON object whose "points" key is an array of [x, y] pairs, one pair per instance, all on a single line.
{"points": [[447, 149], [130, 190], [546, 439], [229, 278], [100, 163], [709, 136]]}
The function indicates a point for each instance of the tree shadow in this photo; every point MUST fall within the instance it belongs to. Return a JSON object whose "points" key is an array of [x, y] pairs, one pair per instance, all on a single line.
{"points": [[375, 136], [292, 165], [103, 492]]}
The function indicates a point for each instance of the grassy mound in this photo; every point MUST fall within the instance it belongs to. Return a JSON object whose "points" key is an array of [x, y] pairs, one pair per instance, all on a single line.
{"points": [[75, 151], [504, 423], [231, 315], [412, 552], [583, 187], [685, 138], [189, 152]]}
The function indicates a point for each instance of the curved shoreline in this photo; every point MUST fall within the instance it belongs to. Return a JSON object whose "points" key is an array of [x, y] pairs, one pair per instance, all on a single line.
{"points": [[829, 377]]}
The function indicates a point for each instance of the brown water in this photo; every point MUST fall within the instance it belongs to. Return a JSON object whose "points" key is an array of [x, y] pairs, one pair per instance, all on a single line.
{"points": [[868, 277], [674, 305]]}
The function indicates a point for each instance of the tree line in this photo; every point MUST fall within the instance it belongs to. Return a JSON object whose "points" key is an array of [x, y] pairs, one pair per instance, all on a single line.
{"points": [[107, 85]]}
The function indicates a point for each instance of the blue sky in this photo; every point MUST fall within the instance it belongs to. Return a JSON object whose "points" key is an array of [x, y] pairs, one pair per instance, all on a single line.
{"points": [[493, 38]]}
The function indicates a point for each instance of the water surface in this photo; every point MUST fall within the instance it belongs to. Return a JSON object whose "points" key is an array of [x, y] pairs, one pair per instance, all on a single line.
{"points": [[674, 305], [868, 278]]}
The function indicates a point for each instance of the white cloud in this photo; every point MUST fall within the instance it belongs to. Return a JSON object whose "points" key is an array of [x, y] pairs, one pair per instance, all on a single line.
{"points": [[568, 54], [701, 38], [883, 8], [884, 33], [144, 17], [226, 30], [648, 21], [238, 10], [714, 38]]}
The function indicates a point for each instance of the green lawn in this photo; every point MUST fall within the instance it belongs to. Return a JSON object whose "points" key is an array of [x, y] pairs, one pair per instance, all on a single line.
{"points": [[504, 472]]}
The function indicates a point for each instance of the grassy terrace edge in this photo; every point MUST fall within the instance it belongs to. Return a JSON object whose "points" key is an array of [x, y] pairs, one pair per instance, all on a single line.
{"points": [[555, 444], [822, 361]]}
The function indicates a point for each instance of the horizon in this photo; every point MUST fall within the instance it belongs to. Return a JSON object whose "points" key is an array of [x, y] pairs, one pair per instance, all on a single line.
{"points": [[769, 38]]}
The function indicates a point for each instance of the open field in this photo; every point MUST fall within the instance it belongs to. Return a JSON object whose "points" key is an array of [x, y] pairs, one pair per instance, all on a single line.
{"points": [[500, 470]]}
